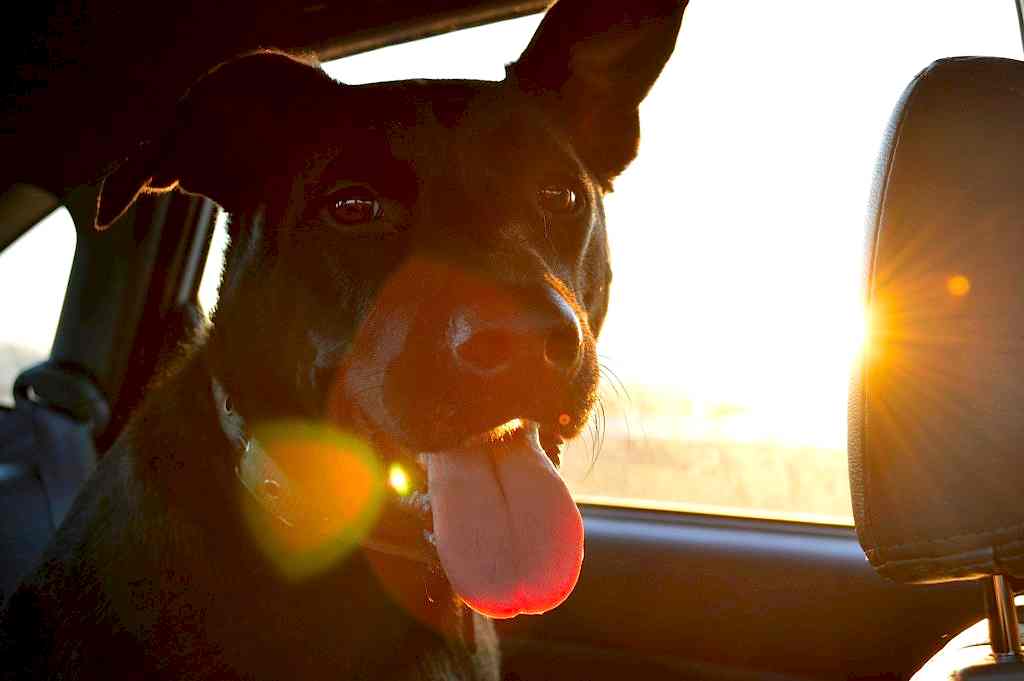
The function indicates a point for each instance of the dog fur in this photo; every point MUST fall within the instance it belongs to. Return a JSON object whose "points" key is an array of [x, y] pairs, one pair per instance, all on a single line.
{"points": [[152, 574]]}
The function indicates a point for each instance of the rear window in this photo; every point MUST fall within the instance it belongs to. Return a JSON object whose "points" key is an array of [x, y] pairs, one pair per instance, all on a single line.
{"points": [[34, 274]]}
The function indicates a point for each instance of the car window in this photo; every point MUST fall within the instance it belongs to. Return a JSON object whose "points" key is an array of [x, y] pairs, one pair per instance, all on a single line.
{"points": [[34, 274], [214, 264], [737, 241]]}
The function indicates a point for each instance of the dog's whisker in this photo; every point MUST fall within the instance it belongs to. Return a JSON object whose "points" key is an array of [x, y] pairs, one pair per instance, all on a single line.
{"points": [[622, 396], [617, 384], [595, 433], [592, 435], [628, 407]]}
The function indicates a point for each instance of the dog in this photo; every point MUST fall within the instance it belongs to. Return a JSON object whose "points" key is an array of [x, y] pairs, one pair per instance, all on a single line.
{"points": [[416, 276]]}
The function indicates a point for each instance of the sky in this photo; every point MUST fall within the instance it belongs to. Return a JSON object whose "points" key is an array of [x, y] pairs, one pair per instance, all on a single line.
{"points": [[738, 234]]}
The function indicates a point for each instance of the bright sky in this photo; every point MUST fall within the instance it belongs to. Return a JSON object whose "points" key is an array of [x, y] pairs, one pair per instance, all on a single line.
{"points": [[737, 235]]}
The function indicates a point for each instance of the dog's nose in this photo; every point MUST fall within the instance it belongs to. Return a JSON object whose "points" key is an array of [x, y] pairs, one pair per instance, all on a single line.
{"points": [[544, 336]]}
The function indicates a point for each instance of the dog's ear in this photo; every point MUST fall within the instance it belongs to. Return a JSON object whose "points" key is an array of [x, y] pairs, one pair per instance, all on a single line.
{"points": [[598, 60], [230, 127]]}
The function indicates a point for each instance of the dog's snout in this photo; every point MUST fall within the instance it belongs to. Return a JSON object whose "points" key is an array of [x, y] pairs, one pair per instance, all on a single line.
{"points": [[520, 340], [563, 345], [563, 336], [485, 351]]}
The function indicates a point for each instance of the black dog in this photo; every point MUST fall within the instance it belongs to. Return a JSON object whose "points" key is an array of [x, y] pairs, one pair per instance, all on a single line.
{"points": [[421, 265]]}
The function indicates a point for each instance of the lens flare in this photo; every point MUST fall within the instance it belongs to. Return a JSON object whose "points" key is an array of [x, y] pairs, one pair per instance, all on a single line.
{"points": [[399, 480], [958, 285], [333, 488]]}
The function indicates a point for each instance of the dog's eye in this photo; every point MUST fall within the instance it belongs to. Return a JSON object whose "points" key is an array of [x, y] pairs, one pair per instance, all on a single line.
{"points": [[556, 198], [355, 206]]}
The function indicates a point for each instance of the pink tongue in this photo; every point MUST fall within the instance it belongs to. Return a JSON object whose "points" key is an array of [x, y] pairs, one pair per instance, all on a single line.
{"points": [[508, 532]]}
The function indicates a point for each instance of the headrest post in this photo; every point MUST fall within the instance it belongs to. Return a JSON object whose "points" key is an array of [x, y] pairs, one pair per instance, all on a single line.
{"points": [[1020, 19], [1004, 632]]}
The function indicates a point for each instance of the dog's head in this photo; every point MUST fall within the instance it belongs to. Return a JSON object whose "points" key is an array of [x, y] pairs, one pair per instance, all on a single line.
{"points": [[425, 263]]}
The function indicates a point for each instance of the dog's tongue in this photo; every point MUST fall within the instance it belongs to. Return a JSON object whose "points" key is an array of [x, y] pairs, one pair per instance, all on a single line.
{"points": [[508, 532]]}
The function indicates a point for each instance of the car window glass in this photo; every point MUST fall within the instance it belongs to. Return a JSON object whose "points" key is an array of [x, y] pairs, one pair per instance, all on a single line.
{"points": [[214, 264], [33, 277], [737, 241]]}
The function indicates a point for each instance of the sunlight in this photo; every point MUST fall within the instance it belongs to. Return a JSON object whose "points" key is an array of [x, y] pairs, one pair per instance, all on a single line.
{"points": [[39, 262], [861, 340], [399, 480], [958, 285]]}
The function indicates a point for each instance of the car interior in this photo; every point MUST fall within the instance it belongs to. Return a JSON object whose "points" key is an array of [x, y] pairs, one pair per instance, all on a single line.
{"points": [[908, 566]]}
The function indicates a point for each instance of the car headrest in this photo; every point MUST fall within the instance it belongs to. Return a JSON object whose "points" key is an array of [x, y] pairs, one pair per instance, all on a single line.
{"points": [[936, 421]]}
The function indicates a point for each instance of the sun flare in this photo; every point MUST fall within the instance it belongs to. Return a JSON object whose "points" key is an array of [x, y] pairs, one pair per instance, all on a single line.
{"points": [[399, 480]]}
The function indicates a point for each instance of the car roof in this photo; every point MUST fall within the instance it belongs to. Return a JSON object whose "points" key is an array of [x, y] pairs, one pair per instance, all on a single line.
{"points": [[84, 82]]}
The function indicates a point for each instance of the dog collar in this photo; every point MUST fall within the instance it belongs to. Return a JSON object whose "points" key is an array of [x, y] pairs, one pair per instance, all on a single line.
{"points": [[280, 496]]}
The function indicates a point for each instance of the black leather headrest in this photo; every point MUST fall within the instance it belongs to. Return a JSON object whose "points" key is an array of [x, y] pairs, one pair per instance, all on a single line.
{"points": [[937, 417]]}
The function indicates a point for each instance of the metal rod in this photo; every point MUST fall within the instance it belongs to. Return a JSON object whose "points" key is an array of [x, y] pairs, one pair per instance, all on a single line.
{"points": [[1020, 19], [1004, 632]]}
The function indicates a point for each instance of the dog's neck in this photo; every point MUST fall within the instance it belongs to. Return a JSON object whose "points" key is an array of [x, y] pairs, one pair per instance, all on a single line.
{"points": [[398, 538], [281, 496]]}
